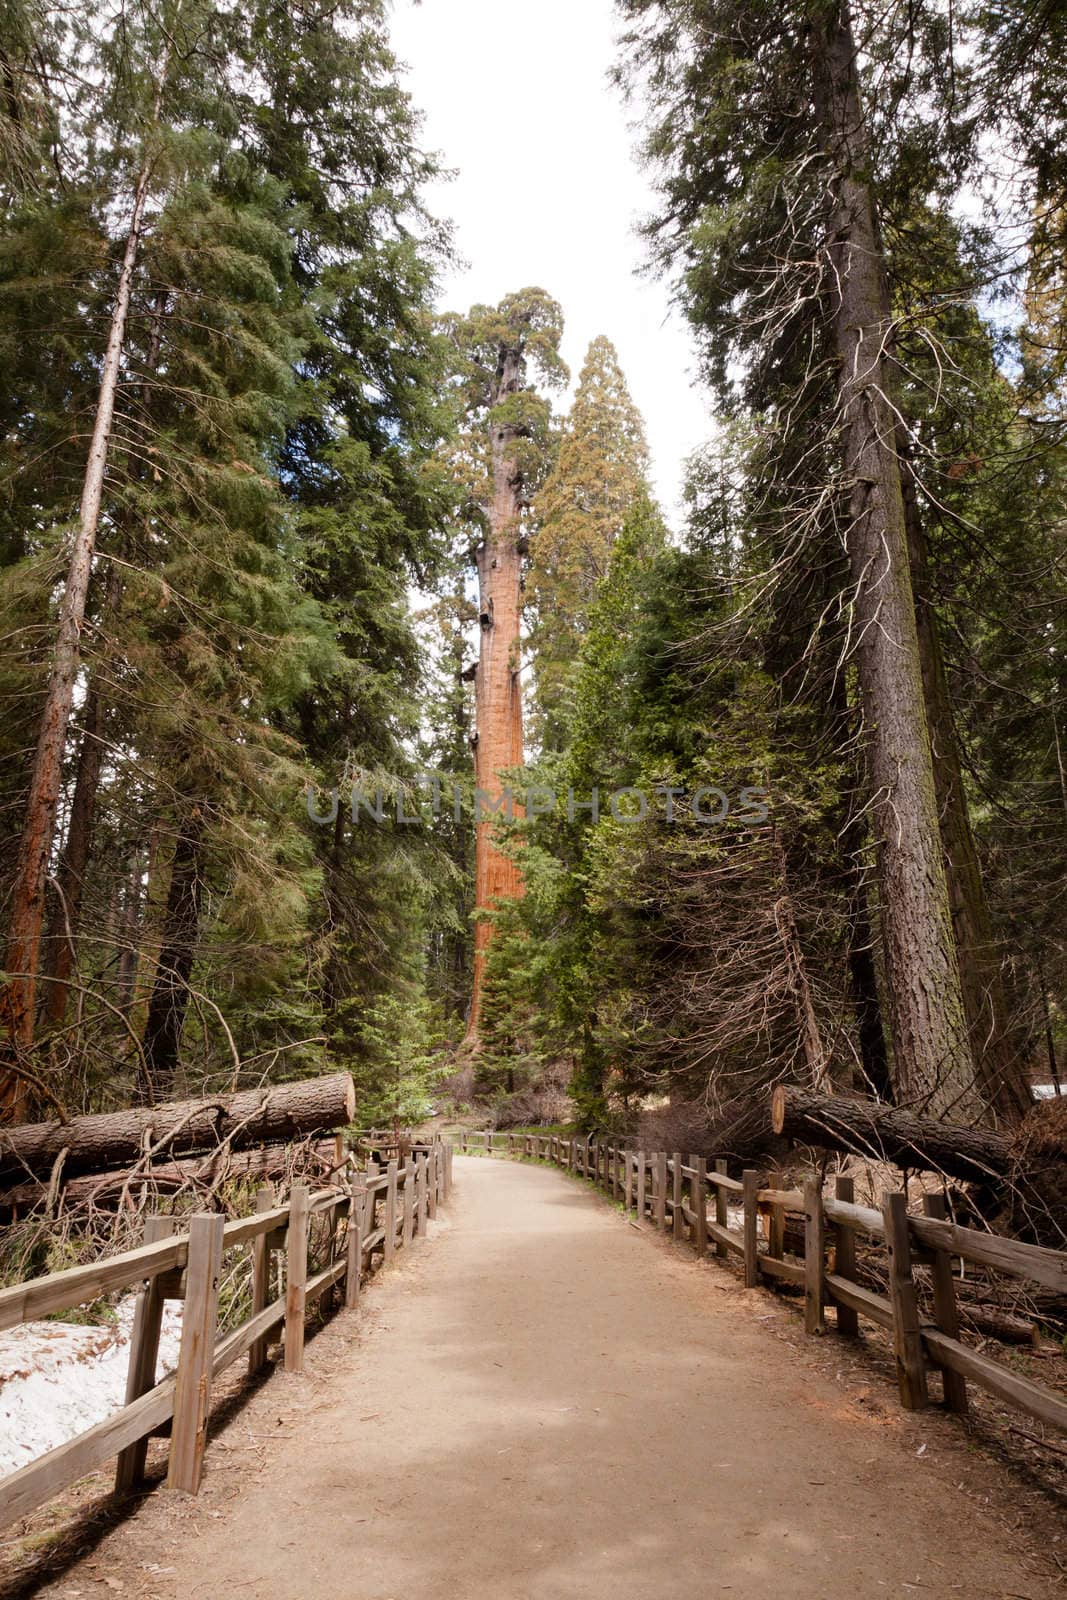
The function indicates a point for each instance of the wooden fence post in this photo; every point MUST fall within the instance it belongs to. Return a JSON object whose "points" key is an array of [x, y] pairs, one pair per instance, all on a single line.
{"points": [[627, 1179], [389, 1242], [423, 1192], [946, 1314], [722, 1214], [814, 1256], [144, 1353], [678, 1220], [296, 1276], [354, 1253], [463, 1140], [750, 1188], [407, 1210], [257, 1352], [192, 1393], [698, 1201], [776, 1232], [659, 1188], [848, 1320], [431, 1185], [415, 1163], [907, 1339], [641, 1178]]}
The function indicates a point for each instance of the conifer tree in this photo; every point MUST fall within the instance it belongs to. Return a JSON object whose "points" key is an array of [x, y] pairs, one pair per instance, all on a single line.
{"points": [[600, 471], [506, 445], [770, 205], [140, 98], [268, 492]]}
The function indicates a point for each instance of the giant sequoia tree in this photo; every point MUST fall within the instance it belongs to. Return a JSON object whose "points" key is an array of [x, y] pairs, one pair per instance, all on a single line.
{"points": [[506, 447]]}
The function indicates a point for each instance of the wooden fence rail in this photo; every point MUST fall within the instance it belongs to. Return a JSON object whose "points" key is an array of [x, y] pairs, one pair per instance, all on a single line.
{"points": [[351, 1225], [673, 1195]]}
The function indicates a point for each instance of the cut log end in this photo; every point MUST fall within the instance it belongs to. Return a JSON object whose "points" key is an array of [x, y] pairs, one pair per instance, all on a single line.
{"points": [[778, 1106]]}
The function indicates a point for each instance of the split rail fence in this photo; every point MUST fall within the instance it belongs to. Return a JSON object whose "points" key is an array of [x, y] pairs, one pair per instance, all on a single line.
{"points": [[674, 1195], [355, 1226]]}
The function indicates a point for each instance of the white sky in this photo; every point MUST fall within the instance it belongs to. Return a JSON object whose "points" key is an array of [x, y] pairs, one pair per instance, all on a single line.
{"points": [[547, 191]]}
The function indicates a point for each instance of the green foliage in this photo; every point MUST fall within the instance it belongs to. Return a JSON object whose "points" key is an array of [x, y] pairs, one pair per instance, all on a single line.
{"points": [[395, 1086], [521, 336], [600, 470], [273, 490]]}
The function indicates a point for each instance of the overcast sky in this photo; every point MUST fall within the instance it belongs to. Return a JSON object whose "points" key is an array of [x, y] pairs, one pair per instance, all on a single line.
{"points": [[547, 191]]}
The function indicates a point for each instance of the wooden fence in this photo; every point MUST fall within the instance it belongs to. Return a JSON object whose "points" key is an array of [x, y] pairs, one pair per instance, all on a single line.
{"points": [[367, 1219], [674, 1195]]}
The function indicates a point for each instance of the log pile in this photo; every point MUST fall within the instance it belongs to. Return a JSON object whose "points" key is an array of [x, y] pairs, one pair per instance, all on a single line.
{"points": [[190, 1144]]}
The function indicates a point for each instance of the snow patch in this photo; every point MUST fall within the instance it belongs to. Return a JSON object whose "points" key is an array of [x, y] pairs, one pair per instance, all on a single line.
{"points": [[59, 1378]]}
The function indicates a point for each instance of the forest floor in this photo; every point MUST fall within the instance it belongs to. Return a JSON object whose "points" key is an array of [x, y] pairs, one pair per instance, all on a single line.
{"points": [[546, 1402]]}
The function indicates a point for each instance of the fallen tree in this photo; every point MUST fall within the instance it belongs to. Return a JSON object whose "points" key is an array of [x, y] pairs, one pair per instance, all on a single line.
{"points": [[273, 1113], [1019, 1182], [884, 1133], [197, 1174]]}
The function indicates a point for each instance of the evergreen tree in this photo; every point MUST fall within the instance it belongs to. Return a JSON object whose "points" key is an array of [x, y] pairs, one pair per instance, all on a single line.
{"points": [[235, 614], [771, 206], [502, 460], [600, 471]]}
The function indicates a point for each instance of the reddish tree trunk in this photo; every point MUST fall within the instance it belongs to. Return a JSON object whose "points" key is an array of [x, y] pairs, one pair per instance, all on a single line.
{"points": [[497, 690]]}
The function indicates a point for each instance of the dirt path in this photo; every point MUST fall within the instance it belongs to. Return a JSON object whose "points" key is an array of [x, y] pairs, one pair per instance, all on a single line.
{"points": [[541, 1404]]}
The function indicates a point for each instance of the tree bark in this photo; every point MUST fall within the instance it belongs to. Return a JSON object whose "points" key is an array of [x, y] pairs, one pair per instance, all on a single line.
{"points": [[170, 992], [931, 1053], [884, 1133], [497, 690], [273, 1113], [18, 995]]}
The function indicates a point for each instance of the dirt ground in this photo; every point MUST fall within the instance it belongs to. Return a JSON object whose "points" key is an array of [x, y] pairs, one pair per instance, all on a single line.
{"points": [[545, 1402]]}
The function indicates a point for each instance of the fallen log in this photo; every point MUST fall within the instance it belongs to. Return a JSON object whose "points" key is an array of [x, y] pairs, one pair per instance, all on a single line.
{"points": [[883, 1133], [975, 1312], [265, 1163], [272, 1114]]}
